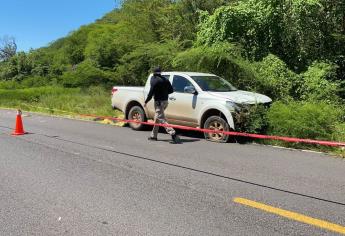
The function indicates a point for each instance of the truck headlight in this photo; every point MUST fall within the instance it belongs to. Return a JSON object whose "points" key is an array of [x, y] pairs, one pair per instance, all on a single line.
{"points": [[233, 106]]}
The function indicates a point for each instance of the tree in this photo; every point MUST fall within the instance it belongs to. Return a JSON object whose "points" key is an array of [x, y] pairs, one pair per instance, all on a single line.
{"points": [[102, 46], [298, 31], [8, 48]]}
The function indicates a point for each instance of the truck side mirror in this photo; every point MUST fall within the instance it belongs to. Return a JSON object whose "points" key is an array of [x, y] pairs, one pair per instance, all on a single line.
{"points": [[190, 89]]}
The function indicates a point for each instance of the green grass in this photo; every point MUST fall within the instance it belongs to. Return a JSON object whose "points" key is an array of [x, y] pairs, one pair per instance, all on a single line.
{"points": [[59, 100]]}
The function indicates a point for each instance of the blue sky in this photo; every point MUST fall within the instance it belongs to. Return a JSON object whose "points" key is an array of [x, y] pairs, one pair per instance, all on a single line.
{"points": [[36, 23]]}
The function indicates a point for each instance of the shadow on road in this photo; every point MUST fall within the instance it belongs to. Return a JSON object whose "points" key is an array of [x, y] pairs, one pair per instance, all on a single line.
{"points": [[181, 140], [200, 135]]}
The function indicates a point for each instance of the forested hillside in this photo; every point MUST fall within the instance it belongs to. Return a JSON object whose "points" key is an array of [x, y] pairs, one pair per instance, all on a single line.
{"points": [[290, 50]]}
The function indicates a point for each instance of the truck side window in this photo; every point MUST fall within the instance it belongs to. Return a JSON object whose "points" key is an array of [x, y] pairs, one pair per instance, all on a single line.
{"points": [[179, 83], [166, 76]]}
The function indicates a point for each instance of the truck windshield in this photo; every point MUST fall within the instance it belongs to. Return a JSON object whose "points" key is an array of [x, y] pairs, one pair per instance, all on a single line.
{"points": [[213, 84]]}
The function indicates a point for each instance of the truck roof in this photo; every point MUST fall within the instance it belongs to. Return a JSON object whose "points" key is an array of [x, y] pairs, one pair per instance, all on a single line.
{"points": [[187, 73]]}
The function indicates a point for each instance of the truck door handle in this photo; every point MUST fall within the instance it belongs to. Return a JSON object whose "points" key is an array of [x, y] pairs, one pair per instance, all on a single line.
{"points": [[172, 99]]}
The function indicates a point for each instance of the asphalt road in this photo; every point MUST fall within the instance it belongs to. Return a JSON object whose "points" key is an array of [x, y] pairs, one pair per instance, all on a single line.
{"points": [[71, 177]]}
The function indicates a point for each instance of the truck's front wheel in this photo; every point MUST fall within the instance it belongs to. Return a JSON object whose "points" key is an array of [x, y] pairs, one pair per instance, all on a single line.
{"points": [[136, 113], [216, 123]]}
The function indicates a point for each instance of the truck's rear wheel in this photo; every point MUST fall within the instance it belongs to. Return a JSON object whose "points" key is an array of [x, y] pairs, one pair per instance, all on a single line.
{"points": [[216, 123], [136, 113]]}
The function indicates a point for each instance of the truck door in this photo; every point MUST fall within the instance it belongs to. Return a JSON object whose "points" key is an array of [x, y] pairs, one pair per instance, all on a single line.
{"points": [[182, 105]]}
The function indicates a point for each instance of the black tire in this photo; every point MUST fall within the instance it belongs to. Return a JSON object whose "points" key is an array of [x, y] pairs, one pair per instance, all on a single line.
{"points": [[216, 123], [137, 113]]}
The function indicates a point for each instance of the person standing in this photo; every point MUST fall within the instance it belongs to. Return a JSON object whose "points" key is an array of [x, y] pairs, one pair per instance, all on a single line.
{"points": [[160, 90]]}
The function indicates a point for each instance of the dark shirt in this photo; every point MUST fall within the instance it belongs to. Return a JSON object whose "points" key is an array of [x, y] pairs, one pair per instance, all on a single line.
{"points": [[160, 89]]}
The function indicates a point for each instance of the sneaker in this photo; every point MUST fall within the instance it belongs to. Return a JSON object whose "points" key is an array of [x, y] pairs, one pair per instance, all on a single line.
{"points": [[175, 139], [152, 139]]}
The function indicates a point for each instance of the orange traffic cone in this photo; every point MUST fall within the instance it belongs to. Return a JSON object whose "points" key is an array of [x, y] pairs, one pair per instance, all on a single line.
{"points": [[19, 130]]}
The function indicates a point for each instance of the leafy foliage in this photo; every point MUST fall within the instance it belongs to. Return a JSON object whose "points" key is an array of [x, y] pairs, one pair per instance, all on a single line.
{"points": [[320, 84], [222, 59], [136, 65], [304, 119], [85, 74], [299, 31], [275, 79]]}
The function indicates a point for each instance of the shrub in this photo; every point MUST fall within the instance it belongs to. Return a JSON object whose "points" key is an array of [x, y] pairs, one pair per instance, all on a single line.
{"points": [[339, 133], [85, 74], [274, 78], [9, 84], [207, 58], [318, 83], [253, 120], [303, 120], [37, 81]]}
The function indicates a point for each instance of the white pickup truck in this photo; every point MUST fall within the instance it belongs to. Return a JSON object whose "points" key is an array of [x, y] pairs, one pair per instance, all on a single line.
{"points": [[199, 100]]}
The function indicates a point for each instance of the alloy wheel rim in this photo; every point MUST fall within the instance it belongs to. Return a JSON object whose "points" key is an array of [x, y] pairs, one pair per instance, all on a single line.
{"points": [[216, 126], [137, 117]]}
